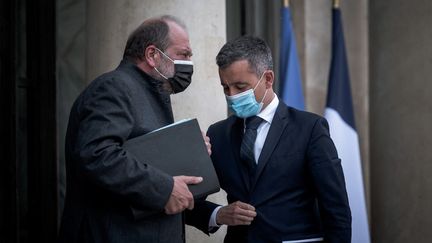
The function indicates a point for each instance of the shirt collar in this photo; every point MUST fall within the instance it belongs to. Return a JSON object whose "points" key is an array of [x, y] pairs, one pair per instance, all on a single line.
{"points": [[268, 113]]}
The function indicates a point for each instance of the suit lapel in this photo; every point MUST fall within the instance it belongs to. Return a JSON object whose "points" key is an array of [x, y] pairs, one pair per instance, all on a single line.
{"points": [[277, 127], [236, 138]]}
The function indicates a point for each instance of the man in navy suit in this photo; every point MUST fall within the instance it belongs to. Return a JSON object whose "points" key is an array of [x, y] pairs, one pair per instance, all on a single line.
{"points": [[290, 188]]}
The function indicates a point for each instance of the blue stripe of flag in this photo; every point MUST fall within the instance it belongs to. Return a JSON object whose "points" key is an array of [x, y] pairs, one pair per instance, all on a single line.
{"points": [[289, 71], [339, 90]]}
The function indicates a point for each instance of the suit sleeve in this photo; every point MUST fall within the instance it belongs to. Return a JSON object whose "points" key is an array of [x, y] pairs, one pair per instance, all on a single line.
{"points": [[199, 217], [329, 183], [105, 122]]}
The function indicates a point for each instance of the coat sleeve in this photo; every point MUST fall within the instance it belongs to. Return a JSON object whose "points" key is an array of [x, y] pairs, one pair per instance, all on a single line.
{"points": [[329, 183], [104, 121], [199, 217]]}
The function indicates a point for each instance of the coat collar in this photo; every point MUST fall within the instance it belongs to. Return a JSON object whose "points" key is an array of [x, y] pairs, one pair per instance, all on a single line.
{"points": [[279, 124]]}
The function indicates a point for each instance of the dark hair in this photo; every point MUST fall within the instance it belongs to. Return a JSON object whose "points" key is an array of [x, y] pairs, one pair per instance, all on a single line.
{"points": [[252, 49], [154, 31]]}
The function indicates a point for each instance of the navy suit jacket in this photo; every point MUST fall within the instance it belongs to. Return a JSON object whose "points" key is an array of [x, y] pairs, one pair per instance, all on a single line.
{"points": [[298, 188]]}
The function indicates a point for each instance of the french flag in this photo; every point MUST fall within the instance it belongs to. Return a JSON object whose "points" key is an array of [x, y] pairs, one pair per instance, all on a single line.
{"points": [[340, 115], [289, 72]]}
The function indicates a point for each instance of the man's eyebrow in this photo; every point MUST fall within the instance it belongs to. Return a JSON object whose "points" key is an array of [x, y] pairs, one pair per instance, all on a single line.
{"points": [[235, 82], [240, 81], [189, 53], [186, 51]]}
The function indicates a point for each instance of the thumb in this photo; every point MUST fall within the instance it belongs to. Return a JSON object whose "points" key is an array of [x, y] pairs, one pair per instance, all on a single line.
{"points": [[192, 179]]}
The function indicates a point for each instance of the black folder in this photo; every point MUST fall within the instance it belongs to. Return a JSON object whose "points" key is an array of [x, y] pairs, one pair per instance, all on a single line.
{"points": [[177, 149]]}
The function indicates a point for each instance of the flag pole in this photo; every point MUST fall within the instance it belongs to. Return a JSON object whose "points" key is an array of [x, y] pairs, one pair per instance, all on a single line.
{"points": [[336, 3], [286, 3]]}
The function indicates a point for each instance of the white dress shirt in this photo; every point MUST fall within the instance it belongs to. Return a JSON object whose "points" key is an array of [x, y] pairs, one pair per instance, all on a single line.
{"points": [[267, 115]]}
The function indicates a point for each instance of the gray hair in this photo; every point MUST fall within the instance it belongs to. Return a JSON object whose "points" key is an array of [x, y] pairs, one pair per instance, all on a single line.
{"points": [[154, 31], [252, 49]]}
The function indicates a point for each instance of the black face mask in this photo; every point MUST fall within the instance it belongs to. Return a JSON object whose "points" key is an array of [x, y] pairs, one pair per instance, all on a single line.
{"points": [[183, 70], [182, 75]]}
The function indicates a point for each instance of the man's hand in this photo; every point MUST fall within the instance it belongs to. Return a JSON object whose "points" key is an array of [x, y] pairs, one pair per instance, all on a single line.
{"points": [[181, 198], [237, 213], [207, 142]]}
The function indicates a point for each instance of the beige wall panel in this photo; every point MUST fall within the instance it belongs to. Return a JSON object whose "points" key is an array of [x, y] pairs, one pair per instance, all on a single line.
{"points": [[111, 21]]}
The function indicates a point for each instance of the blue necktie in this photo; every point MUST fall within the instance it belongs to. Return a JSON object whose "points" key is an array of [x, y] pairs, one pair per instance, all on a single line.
{"points": [[247, 145]]}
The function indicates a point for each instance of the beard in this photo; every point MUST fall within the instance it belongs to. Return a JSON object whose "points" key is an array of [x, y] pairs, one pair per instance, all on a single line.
{"points": [[165, 69]]}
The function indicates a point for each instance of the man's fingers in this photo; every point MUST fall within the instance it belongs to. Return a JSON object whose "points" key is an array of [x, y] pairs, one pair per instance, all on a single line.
{"points": [[249, 214], [244, 215], [206, 138], [192, 179], [181, 198], [245, 206], [244, 218], [207, 142], [191, 204]]}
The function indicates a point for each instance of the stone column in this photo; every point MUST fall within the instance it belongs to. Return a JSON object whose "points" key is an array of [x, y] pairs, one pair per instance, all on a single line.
{"points": [[401, 115], [109, 23]]}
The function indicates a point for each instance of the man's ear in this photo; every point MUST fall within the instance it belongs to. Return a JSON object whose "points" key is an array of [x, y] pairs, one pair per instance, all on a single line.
{"points": [[150, 55], [269, 78]]}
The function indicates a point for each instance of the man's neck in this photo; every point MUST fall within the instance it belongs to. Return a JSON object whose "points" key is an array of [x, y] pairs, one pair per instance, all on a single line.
{"points": [[268, 99]]}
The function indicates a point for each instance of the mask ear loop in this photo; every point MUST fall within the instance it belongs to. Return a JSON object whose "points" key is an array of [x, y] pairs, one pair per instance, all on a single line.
{"points": [[265, 93], [257, 86], [166, 57], [164, 54], [259, 81], [163, 76]]}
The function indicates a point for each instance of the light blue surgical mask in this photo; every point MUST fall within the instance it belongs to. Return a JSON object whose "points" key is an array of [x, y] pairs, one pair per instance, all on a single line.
{"points": [[244, 104]]}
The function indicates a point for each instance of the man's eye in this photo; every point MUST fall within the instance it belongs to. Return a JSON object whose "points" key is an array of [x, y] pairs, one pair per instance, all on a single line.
{"points": [[185, 55], [241, 86]]}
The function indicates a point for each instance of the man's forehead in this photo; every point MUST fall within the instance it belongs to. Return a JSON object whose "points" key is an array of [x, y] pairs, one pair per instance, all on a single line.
{"points": [[237, 68], [236, 77], [180, 46], [177, 33]]}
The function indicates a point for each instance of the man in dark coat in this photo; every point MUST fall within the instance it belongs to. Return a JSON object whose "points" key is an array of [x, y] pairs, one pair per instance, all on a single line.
{"points": [[278, 165], [112, 197]]}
